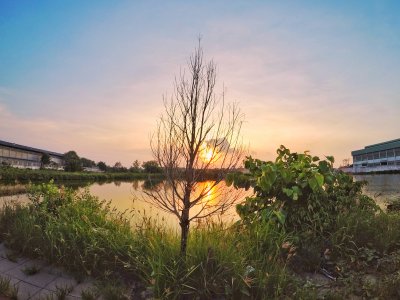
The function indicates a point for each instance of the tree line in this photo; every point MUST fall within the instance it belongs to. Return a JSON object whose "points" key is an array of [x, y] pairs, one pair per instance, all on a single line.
{"points": [[74, 163]]}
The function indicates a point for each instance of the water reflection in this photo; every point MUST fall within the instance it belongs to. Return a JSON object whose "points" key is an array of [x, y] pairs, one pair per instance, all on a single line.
{"points": [[381, 187], [129, 196]]}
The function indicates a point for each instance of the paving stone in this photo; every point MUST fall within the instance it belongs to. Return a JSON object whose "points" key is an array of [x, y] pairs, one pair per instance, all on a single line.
{"points": [[44, 294], [3, 250], [26, 290], [53, 270], [61, 282], [40, 279], [6, 265]]}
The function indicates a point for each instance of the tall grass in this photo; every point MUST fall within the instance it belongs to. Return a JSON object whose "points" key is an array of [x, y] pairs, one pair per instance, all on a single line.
{"points": [[88, 237]]}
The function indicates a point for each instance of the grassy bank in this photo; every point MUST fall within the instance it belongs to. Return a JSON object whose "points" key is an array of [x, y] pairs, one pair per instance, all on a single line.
{"points": [[87, 237], [9, 174], [307, 232], [255, 261]]}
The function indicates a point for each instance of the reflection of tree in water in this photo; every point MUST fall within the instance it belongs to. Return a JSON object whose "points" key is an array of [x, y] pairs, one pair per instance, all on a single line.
{"points": [[117, 183], [151, 184], [135, 185]]}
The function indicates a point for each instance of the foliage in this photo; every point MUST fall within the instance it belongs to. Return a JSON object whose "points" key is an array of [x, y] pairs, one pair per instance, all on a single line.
{"points": [[135, 168], [7, 289], [246, 260], [85, 235], [102, 166], [151, 166], [45, 159], [10, 174], [72, 162], [298, 191], [74, 230], [87, 163]]}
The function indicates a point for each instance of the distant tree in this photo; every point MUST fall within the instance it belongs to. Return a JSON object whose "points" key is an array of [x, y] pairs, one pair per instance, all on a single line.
{"points": [[135, 168], [151, 166], [102, 166], [118, 167], [72, 162], [45, 160], [87, 163]]}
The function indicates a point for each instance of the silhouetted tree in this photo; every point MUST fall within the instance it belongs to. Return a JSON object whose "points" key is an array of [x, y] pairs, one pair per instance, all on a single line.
{"points": [[102, 166], [87, 163], [151, 166], [135, 168], [45, 160], [197, 132], [72, 162]]}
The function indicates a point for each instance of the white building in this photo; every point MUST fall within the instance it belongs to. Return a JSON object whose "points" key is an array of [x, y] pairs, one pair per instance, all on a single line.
{"points": [[20, 156], [377, 158]]}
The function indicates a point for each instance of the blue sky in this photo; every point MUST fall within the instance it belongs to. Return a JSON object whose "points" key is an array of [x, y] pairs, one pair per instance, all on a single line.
{"points": [[90, 75]]}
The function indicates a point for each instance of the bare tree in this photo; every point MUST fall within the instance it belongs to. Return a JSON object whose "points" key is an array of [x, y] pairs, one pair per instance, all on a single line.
{"points": [[198, 134]]}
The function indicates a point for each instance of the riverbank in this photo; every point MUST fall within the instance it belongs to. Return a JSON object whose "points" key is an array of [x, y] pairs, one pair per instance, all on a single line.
{"points": [[9, 174]]}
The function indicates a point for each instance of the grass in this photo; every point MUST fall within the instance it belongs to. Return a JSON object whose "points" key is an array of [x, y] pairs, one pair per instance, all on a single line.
{"points": [[256, 261], [9, 174], [87, 237], [7, 289]]}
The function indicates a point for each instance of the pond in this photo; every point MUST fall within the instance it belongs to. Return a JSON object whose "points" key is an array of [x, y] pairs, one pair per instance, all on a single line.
{"points": [[129, 196], [381, 187]]}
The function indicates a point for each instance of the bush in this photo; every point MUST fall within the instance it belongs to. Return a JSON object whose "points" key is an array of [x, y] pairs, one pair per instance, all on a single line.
{"points": [[300, 192]]}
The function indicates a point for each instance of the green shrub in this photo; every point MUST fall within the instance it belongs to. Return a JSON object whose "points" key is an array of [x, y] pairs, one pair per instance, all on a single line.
{"points": [[300, 192]]}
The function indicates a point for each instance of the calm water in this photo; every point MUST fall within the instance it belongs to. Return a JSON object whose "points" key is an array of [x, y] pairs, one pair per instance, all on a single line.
{"points": [[382, 188], [129, 196]]}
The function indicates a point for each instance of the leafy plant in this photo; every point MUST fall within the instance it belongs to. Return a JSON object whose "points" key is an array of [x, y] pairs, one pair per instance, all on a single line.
{"points": [[298, 191]]}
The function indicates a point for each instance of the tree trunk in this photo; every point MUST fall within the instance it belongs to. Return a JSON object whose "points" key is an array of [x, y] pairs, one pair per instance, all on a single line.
{"points": [[184, 223]]}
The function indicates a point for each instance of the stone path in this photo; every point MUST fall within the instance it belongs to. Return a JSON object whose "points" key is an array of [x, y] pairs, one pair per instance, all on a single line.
{"points": [[45, 282]]}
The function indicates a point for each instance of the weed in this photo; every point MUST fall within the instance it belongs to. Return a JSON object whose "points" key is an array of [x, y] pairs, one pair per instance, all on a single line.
{"points": [[32, 270], [6, 289], [88, 294], [63, 291], [11, 256]]}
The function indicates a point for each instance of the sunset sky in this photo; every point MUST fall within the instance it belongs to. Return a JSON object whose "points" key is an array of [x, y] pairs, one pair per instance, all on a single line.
{"points": [[89, 75]]}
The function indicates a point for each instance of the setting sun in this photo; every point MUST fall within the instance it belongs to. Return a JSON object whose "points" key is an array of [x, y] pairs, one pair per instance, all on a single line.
{"points": [[206, 153]]}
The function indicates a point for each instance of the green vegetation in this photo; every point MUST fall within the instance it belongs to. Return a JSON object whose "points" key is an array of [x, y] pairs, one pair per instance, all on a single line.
{"points": [[304, 219], [7, 289], [72, 162], [9, 174]]}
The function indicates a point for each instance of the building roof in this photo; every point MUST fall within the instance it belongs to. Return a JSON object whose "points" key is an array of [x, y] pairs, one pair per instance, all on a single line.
{"points": [[26, 148], [378, 147]]}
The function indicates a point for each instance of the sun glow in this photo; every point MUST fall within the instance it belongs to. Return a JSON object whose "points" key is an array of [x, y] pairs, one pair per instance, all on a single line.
{"points": [[206, 153]]}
